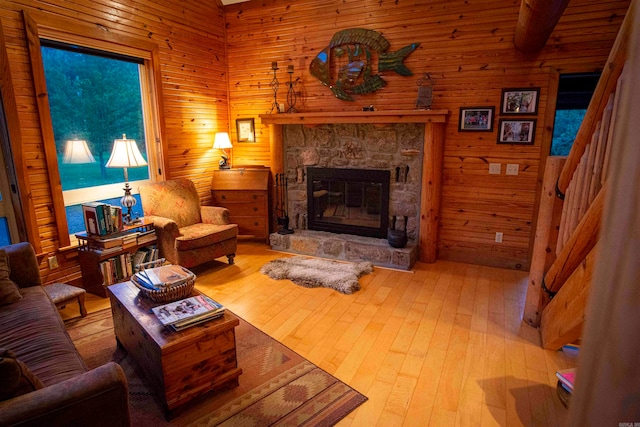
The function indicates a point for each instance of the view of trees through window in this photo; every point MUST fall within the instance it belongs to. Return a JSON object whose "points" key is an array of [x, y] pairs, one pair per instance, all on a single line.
{"points": [[97, 99], [574, 95]]}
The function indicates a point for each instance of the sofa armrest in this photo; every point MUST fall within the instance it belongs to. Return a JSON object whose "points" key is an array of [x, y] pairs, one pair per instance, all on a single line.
{"points": [[215, 215], [97, 398], [25, 271]]}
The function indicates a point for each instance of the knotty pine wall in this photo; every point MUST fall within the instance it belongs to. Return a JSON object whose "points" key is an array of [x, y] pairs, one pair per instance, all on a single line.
{"points": [[467, 45], [190, 36]]}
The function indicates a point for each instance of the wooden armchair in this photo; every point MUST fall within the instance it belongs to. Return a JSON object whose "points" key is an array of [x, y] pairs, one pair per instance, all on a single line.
{"points": [[188, 234]]}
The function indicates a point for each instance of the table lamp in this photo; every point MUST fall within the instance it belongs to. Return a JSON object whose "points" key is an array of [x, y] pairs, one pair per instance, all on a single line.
{"points": [[76, 151], [223, 142], [125, 155]]}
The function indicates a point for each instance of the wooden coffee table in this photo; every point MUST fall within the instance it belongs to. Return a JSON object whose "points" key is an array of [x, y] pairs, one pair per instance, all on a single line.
{"points": [[180, 365]]}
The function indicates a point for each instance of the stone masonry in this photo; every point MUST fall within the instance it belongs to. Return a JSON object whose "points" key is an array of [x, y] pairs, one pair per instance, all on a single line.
{"points": [[394, 147]]}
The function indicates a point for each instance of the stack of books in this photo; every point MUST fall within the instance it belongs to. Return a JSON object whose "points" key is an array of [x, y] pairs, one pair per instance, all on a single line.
{"points": [[566, 380], [179, 315]]}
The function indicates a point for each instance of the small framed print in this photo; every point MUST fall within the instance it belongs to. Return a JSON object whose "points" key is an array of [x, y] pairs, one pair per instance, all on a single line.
{"points": [[246, 130], [516, 131], [478, 119], [520, 101]]}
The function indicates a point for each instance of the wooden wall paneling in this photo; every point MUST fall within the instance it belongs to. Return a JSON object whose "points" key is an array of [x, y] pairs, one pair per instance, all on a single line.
{"points": [[620, 86], [190, 39], [474, 204], [14, 158]]}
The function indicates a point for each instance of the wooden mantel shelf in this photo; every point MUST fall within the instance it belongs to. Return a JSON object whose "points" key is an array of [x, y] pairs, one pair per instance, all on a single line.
{"points": [[384, 116]]}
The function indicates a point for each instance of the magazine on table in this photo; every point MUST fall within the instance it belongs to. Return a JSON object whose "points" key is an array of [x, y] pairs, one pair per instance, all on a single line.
{"points": [[188, 312], [158, 277]]}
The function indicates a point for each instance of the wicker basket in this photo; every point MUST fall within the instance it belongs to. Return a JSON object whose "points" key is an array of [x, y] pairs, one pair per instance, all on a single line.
{"points": [[168, 292]]}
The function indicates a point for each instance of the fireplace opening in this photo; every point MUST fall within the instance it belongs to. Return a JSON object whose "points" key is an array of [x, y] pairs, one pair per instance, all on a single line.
{"points": [[349, 201]]}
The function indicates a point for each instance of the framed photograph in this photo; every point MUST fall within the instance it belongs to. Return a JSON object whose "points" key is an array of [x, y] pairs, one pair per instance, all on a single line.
{"points": [[478, 119], [246, 130], [516, 131], [520, 101]]}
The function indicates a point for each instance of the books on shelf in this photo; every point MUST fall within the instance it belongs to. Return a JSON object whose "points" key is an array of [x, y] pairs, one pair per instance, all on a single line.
{"points": [[145, 237], [187, 312], [144, 254], [101, 219]]}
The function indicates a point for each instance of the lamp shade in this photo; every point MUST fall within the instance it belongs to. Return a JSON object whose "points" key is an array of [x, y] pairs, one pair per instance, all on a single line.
{"points": [[125, 154], [76, 151], [222, 141]]}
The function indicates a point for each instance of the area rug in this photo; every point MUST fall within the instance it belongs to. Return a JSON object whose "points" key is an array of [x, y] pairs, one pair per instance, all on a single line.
{"points": [[277, 387], [315, 272]]}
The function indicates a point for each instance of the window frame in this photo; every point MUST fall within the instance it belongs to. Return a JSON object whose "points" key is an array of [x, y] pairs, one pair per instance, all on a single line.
{"points": [[44, 26]]}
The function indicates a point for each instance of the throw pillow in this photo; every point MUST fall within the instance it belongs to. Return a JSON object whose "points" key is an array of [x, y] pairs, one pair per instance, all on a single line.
{"points": [[9, 292], [15, 377]]}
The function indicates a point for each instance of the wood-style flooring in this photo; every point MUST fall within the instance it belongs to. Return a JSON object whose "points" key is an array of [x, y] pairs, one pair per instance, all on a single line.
{"points": [[442, 345]]}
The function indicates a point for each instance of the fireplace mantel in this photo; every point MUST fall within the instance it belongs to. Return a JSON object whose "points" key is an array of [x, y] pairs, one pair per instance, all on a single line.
{"points": [[384, 116], [434, 134]]}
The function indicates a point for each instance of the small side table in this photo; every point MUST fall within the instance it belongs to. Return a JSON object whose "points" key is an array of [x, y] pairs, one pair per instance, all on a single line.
{"points": [[61, 294]]}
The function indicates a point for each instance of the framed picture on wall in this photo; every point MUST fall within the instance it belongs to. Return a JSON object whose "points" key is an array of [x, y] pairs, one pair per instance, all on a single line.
{"points": [[479, 119], [520, 101], [246, 130], [516, 131]]}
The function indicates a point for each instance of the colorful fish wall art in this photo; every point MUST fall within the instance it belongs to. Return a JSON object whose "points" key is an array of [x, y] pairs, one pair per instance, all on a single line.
{"points": [[347, 65]]}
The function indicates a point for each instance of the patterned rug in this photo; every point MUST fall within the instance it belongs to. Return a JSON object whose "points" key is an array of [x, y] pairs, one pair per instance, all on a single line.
{"points": [[277, 386]]}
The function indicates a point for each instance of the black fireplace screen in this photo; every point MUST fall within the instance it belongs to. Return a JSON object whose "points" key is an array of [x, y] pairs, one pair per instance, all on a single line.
{"points": [[351, 201]]}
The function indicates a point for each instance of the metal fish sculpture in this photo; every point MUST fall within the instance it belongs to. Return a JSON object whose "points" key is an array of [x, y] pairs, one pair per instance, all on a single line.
{"points": [[350, 53]]}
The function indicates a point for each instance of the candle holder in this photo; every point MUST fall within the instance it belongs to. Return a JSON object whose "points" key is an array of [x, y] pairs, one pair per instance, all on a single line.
{"points": [[275, 85], [291, 93]]}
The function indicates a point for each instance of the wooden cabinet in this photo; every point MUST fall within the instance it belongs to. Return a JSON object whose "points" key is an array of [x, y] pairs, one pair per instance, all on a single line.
{"points": [[112, 254], [245, 192]]}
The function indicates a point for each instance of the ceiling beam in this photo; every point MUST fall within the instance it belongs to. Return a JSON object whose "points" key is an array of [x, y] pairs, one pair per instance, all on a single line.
{"points": [[536, 21]]}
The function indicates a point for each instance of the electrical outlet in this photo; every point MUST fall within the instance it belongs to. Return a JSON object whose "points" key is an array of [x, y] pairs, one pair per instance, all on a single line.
{"points": [[53, 262], [512, 169], [498, 237], [495, 168]]}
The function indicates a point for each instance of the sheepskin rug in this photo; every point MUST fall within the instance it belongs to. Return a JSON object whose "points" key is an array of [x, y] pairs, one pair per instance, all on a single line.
{"points": [[314, 272]]}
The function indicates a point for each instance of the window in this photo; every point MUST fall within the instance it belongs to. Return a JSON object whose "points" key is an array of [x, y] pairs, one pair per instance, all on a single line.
{"points": [[95, 97], [574, 95]]}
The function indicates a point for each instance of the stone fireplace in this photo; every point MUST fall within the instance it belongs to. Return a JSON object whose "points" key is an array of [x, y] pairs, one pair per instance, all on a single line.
{"points": [[405, 145]]}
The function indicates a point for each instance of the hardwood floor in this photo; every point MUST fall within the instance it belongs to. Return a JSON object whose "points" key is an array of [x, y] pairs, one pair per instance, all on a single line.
{"points": [[442, 345]]}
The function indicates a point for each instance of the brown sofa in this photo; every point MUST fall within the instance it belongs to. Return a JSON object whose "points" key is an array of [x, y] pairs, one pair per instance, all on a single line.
{"points": [[32, 330]]}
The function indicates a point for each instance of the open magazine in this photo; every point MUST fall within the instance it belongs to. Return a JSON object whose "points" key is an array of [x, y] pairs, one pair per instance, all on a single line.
{"points": [[187, 312]]}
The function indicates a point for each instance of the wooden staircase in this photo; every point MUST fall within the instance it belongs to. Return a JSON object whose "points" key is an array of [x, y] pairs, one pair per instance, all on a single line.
{"points": [[570, 213]]}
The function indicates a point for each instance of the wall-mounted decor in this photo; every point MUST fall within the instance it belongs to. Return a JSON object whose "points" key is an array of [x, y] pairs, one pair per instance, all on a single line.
{"points": [[517, 131], [246, 130], [479, 119], [347, 66], [425, 91], [520, 101]]}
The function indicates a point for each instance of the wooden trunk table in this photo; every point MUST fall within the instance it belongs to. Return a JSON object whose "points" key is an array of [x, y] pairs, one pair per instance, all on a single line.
{"points": [[180, 365]]}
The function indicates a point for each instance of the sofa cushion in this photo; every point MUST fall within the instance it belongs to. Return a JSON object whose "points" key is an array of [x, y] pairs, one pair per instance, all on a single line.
{"points": [[15, 377], [202, 235], [34, 331], [9, 292]]}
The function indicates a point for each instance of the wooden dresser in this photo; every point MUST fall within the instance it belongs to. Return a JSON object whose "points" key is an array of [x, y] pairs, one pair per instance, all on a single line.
{"points": [[245, 192]]}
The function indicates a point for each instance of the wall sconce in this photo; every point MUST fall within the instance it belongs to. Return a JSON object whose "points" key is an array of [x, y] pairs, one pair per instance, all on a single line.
{"points": [[76, 151], [125, 155], [223, 142]]}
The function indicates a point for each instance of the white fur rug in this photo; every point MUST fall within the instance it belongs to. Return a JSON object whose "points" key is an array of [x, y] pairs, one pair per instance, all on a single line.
{"points": [[314, 272]]}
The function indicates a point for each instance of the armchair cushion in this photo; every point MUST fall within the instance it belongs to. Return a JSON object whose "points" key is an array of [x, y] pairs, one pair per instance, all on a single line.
{"points": [[176, 199], [9, 292], [201, 235]]}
